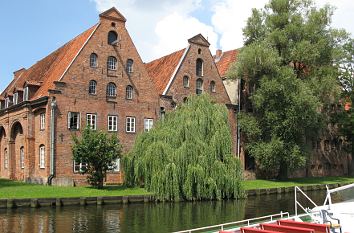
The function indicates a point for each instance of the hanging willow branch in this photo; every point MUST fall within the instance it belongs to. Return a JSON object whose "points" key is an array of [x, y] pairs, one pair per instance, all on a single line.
{"points": [[187, 155]]}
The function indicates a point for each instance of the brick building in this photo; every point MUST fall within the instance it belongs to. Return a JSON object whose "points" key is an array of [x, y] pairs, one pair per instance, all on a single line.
{"points": [[96, 79], [190, 71]]}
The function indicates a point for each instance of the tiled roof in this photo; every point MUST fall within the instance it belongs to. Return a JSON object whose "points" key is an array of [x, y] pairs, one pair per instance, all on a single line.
{"points": [[227, 58], [50, 68], [161, 70]]}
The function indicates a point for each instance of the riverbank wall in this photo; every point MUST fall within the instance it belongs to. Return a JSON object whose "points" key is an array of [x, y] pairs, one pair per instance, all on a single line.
{"points": [[106, 200]]}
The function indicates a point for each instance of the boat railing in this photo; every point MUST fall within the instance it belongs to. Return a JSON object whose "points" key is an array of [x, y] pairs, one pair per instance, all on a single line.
{"points": [[298, 204], [247, 222]]}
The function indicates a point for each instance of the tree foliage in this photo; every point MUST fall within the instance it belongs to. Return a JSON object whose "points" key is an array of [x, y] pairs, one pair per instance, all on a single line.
{"points": [[187, 155], [288, 65], [99, 152]]}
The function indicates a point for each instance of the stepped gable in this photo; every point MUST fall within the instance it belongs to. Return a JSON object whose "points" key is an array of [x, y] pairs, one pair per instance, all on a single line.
{"points": [[50, 68], [225, 61], [162, 69]]}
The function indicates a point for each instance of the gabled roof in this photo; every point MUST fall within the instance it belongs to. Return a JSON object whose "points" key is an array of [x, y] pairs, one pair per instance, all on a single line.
{"points": [[224, 62], [50, 68], [114, 14], [163, 69], [199, 40]]}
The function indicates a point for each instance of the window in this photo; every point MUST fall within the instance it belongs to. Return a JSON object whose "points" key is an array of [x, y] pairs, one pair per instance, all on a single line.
{"points": [[111, 63], [199, 51], [148, 123], [199, 86], [111, 90], [22, 157], [79, 167], [199, 67], [42, 121], [130, 125], [129, 67], [42, 156], [92, 87], [93, 60], [212, 86], [91, 120], [112, 123], [129, 92], [7, 102], [6, 159], [116, 165], [15, 98], [112, 37], [73, 120], [185, 81], [25, 94]]}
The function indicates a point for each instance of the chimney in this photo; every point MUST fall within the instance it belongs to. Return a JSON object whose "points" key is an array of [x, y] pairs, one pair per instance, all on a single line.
{"points": [[218, 55]]}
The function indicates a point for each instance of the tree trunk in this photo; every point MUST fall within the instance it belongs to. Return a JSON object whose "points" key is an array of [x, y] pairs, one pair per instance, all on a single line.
{"points": [[283, 171]]}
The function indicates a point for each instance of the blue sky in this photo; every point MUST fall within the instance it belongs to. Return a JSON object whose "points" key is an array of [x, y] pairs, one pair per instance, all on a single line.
{"points": [[32, 29]]}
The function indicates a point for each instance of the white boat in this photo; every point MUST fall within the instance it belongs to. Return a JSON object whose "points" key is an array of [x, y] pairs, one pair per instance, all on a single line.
{"points": [[328, 218]]}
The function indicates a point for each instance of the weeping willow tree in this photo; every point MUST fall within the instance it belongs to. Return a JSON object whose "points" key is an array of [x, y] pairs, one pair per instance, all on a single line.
{"points": [[187, 155]]}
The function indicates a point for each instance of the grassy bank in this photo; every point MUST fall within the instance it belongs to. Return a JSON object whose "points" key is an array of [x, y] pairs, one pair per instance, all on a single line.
{"points": [[265, 184], [14, 189]]}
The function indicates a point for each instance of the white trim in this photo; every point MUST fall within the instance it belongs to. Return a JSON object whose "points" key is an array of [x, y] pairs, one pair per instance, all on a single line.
{"points": [[67, 68], [176, 70]]}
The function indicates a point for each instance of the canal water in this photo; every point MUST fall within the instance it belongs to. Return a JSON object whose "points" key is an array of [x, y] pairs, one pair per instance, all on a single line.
{"points": [[144, 217]]}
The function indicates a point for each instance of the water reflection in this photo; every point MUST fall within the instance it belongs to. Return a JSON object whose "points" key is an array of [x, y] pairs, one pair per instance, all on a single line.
{"points": [[145, 217]]}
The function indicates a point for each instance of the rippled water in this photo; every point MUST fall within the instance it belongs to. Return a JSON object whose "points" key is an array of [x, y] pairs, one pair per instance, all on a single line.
{"points": [[144, 217]]}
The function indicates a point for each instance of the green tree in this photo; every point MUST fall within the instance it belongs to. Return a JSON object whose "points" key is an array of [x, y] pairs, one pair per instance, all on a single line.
{"points": [[99, 152], [291, 81], [187, 155]]}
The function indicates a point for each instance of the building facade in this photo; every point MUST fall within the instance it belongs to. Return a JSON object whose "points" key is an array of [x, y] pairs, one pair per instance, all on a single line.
{"points": [[98, 80]]}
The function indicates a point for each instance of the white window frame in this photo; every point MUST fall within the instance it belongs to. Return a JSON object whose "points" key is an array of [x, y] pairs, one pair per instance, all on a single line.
{"points": [[130, 124], [93, 60], [200, 73], [112, 123], [91, 120], [26, 94], [129, 66], [7, 102], [92, 86], [148, 124], [129, 90], [112, 63], [42, 121], [6, 159], [42, 156], [116, 165], [22, 157], [111, 90], [212, 86], [185, 81], [15, 98], [80, 165], [71, 114]]}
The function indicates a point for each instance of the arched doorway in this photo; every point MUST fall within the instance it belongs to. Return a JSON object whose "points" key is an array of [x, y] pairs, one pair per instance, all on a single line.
{"points": [[16, 145], [2, 150]]}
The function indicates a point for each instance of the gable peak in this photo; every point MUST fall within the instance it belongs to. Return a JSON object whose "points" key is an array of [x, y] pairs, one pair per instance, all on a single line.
{"points": [[200, 40], [113, 14]]}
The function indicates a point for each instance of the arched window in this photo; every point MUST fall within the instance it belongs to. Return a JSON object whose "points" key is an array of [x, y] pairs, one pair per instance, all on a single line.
{"points": [[186, 81], [112, 37], [112, 63], [41, 156], [22, 157], [212, 86], [92, 87], [199, 67], [199, 86], [129, 92], [129, 67], [93, 60], [111, 90]]}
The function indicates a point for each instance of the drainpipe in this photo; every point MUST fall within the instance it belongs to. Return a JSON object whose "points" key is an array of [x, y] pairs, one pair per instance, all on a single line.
{"points": [[238, 124], [53, 106]]}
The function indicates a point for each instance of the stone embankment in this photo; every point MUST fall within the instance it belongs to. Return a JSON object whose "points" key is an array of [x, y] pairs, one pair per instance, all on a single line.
{"points": [[83, 201]]}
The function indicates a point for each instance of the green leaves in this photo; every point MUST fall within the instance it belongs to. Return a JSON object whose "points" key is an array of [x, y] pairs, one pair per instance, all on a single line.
{"points": [[187, 155], [99, 151]]}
